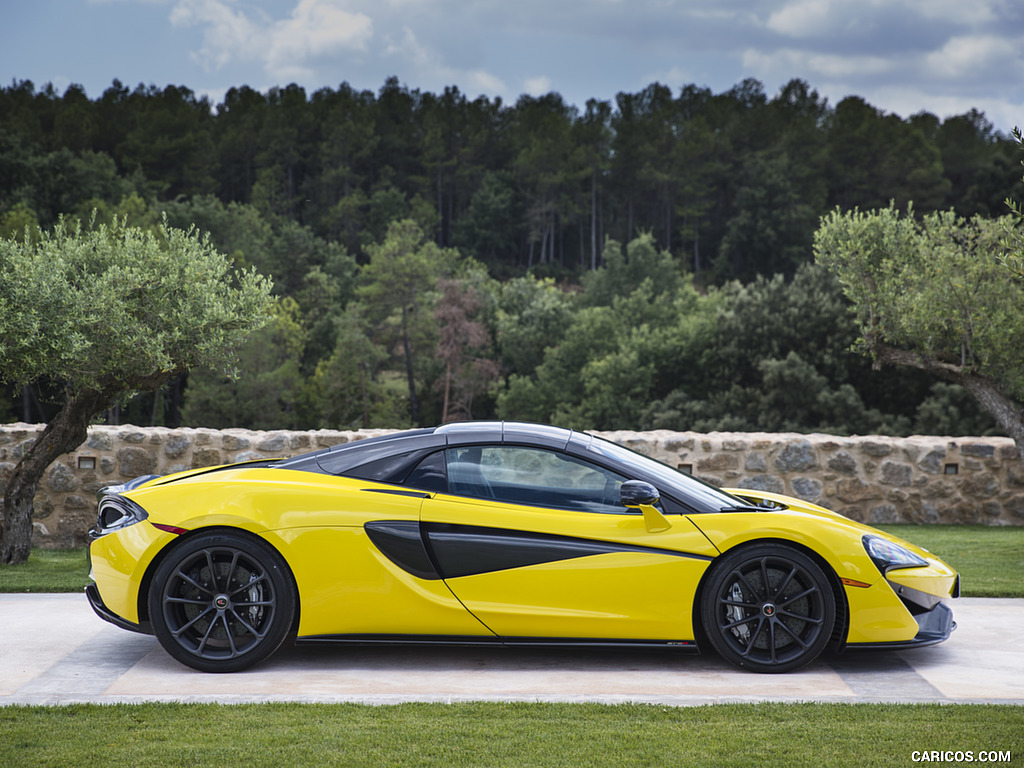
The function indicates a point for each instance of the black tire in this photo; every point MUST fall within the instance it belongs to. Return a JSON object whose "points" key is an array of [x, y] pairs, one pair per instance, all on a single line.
{"points": [[768, 608], [221, 602]]}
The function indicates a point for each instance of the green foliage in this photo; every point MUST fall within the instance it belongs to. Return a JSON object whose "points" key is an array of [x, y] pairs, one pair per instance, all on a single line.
{"points": [[933, 286], [305, 188], [350, 388], [532, 315], [772, 229], [931, 294], [397, 288], [625, 270], [951, 410], [19, 222], [94, 307], [266, 388], [1013, 240]]}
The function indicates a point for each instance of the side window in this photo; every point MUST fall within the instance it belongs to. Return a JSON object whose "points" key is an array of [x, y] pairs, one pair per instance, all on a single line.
{"points": [[429, 474], [520, 475]]}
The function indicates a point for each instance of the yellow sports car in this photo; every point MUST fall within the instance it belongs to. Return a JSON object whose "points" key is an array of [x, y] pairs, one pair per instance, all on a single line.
{"points": [[498, 533]]}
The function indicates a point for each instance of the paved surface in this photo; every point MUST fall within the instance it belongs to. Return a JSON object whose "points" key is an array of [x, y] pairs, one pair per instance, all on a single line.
{"points": [[54, 650]]}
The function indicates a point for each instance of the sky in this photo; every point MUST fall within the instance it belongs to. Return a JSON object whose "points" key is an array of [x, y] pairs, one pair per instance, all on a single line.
{"points": [[945, 57]]}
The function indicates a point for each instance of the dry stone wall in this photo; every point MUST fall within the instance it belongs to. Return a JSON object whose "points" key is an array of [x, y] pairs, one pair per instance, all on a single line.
{"points": [[871, 479]]}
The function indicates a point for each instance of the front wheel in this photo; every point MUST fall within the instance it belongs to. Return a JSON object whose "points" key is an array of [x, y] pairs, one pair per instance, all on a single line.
{"points": [[768, 608], [221, 602]]}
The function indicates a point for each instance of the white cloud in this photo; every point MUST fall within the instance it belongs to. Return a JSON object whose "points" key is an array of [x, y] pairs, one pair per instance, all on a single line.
{"points": [[964, 58], [803, 18], [537, 86], [480, 82], [315, 28], [789, 62], [814, 18], [227, 34]]}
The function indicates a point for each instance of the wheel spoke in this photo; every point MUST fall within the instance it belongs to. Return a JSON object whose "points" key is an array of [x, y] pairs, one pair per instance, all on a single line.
{"points": [[213, 570], [741, 622], [798, 617], [186, 601], [765, 580], [251, 629], [737, 603], [252, 582], [805, 593], [791, 633], [785, 583], [754, 636], [231, 571], [189, 625], [231, 635], [189, 580], [755, 592]]}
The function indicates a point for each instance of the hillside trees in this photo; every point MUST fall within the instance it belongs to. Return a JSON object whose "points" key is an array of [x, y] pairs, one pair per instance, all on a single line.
{"points": [[702, 172], [652, 249]]}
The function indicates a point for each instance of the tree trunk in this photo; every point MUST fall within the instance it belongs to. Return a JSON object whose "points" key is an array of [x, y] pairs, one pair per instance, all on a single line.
{"points": [[447, 390], [67, 431], [1008, 413], [414, 405], [593, 221]]}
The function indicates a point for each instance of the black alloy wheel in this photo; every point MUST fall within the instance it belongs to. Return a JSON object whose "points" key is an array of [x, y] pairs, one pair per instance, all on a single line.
{"points": [[221, 602], [768, 608]]}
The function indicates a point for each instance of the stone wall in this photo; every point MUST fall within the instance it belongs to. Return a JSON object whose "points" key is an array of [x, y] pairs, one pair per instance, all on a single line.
{"points": [[873, 479]]}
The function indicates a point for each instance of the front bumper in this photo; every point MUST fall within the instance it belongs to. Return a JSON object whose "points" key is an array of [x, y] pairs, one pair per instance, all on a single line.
{"points": [[92, 594], [935, 625]]}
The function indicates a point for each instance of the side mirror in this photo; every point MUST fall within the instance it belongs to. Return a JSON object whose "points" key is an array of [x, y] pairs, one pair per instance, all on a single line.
{"points": [[643, 496], [636, 493]]}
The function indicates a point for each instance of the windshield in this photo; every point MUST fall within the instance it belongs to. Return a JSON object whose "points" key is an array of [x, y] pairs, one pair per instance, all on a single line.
{"points": [[670, 481]]}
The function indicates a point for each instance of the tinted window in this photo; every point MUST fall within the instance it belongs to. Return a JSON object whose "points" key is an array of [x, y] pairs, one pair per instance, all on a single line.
{"points": [[429, 474], [521, 475]]}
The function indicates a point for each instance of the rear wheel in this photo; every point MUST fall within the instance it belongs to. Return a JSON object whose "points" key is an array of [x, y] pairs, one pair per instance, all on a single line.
{"points": [[768, 608], [221, 602]]}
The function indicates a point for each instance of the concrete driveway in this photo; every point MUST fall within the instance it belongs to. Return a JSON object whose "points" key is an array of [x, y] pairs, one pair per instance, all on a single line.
{"points": [[54, 650]]}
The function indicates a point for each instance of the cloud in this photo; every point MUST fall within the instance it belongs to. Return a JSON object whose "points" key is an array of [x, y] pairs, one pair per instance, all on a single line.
{"points": [[816, 18], [810, 65], [432, 71], [314, 29], [967, 57], [537, 86]]}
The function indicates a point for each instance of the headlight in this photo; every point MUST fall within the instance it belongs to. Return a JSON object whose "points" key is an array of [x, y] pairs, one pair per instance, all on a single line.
{"points": [[888, 555], [116, 512]]}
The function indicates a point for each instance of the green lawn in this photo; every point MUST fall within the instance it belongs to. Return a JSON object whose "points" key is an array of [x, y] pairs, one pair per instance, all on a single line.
{"points": [[516, 735], [990, 560], [47, 570]]}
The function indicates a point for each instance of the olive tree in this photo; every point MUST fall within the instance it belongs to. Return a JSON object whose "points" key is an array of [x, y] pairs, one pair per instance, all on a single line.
{"points": [[104, 312], [931, 294], [1013, 242]]}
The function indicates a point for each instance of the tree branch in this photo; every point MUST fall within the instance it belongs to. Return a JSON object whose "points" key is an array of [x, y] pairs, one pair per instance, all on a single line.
{"points": [[1008, 413]]}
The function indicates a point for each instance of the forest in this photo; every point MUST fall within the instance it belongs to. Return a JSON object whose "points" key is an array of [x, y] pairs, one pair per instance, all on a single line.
{"points": [[639, 263]]}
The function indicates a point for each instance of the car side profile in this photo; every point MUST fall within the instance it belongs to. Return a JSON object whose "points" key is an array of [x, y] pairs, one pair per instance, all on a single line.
{"points": [[499, 533]]}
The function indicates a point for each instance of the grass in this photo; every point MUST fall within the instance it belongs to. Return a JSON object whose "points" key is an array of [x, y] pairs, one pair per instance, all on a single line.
{"points": [[517, 735], [990, 560], [47, 570]]}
